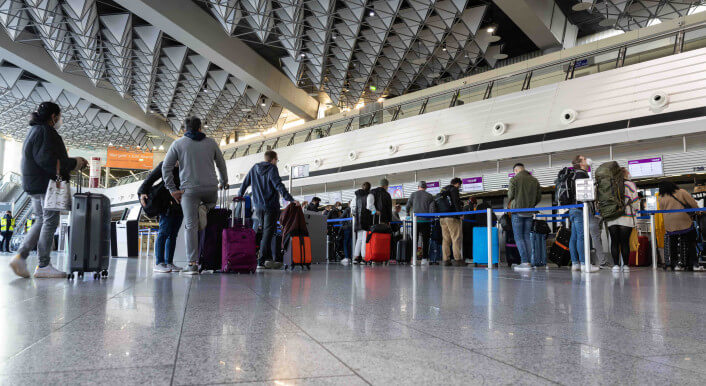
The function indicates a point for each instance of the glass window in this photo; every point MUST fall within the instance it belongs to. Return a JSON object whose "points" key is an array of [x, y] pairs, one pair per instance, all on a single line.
{"points": [[593, 64], [410, 109], [339, 127], [695, 39], [354, 124], [300, 136], [439, 102], [548, 75], [508, 85], [649, 50], [388, 113], [472, 94]]}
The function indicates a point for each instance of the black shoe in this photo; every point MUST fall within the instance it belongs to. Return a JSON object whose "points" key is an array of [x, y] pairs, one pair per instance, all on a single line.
{"points": [[358, 260], [447, 263], [459, 263]]}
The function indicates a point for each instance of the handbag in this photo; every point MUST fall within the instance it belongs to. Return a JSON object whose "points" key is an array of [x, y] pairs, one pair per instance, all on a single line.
{"points": [[58, 195], [540, 227], [158, 201]]}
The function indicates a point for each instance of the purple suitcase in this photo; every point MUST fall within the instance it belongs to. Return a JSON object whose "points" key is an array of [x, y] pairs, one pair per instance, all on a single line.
{"points": [[239, 246]]}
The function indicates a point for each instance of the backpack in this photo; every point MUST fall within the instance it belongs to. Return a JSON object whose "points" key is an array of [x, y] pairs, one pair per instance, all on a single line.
{"points": [[566, 186], [610, 191], [158, 201], [442, 202]]}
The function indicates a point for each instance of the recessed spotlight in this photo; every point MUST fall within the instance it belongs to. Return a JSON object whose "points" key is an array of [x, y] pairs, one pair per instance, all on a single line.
{"points": [[443, 47], [303, 55], [161, 147], [372, 13], [490, 30]]}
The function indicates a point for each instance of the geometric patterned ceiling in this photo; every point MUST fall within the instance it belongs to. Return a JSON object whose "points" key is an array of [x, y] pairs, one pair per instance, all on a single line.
{"points": [[116, 49], [626, 15], [360, 49]]}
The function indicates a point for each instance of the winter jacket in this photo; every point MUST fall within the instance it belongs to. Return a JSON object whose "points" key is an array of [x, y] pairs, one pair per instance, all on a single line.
{"points": [[524, 192], [383, 204], [43, 146], [266, 183], [364, 200], [454, 197], [196, 155], [148, 185], [420, 201]]}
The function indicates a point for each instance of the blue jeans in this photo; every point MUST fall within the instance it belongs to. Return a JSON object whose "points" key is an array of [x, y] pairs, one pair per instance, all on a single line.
{"points": [[576, 242], [521, 227], [539, 249], [165, 245], [267, 218], [435, 253]]}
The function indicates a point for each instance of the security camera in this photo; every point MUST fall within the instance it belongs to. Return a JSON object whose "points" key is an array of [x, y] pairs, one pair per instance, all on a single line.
{"points": [[568, 116], [392, 149], [658, 100], [352, 155]]}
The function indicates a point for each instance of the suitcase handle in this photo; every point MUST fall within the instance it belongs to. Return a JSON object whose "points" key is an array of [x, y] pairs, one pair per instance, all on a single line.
{"points": [[242, 207]]}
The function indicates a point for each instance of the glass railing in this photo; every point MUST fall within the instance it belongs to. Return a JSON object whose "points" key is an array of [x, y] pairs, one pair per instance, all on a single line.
{"points": [[129, 179], [605, 59]]}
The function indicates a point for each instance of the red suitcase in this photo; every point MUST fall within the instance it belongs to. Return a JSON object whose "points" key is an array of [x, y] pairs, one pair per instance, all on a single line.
{"points": [[641, 257], [377, 247], [298, 252]]}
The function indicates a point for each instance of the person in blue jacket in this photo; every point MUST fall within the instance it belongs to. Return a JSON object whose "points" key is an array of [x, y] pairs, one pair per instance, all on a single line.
{"points": [[267, 186]]}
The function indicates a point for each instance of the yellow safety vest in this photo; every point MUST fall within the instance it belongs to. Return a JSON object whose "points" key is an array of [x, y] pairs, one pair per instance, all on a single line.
{"points": [[3, 224], [28, 224]]}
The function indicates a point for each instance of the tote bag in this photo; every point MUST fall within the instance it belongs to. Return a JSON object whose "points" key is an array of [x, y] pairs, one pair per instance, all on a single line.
{"points": [[58, 196]]}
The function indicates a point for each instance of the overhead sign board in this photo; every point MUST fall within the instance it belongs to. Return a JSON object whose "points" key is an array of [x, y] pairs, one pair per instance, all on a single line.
{"points": [[472, 184], [434, 187], [300, 171], [648, 167], [123, 159], [396, 191]]}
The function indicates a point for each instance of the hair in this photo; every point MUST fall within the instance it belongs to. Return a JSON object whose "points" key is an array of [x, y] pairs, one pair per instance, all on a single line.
{"points": [[44, 112], [519, 164], [270, 155], [667, 188], [338, 203], [384, 182], [365, 186], [193, 123], [576, 162], [473, 201], [456, 180], [315, 199], [625, 172]]}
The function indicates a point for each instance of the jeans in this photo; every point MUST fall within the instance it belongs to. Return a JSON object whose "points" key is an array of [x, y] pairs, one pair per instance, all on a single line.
{"points": [[6, 237], [424, 230], [521, 227], [452, 237], [576, 241], [435, 253], [165, 245], [190, 202], [347, 240], [41, 235], [539, 249], [267, 218]]}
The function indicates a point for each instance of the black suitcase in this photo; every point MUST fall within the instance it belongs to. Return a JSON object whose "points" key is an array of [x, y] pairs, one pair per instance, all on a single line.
{"points": [[512, 254], [403, 247], [559, 251], [89, 235]]}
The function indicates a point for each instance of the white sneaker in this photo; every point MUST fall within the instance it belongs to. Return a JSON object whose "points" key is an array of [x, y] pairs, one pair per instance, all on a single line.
{"points": [[19, 266], [162, 268], [678, 268], [626, 269], [425, 261], [48, 272], [345, 261], [522, 267], [174, 268], [616, 268], [590, 268], [260, 268], [575, 267], [468, 261], [698, 268]]}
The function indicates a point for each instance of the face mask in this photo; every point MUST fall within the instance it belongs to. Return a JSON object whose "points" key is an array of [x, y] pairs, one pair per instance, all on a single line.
{"points": [[58, 123], [589, 161]]}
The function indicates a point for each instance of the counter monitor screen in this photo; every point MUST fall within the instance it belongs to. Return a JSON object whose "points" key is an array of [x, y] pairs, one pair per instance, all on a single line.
{"points": [[300, 171], [648, 167]]}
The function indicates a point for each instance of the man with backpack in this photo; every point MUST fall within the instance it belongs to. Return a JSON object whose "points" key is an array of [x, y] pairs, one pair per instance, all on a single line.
{"points": [[524, 192], [448, 200], [566, 194], [266, 184]]}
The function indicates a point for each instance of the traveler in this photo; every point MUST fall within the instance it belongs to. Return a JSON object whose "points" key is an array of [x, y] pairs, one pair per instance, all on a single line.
{"points": [[314, 204], [679, 224], [576, 244], [333, 211], [267, 186], [7, 227], [396, 212], [198, 183], [362, 208], [383, 203], [43, 154], [621, 228], [451, 231], [422, 201], [169, 220], [347, 230], [29, 222], [524, 192]]}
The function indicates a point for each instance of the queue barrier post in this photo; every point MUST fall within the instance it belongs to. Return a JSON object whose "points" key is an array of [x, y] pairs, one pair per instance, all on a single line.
{"points": [[414, 240], [653, 241], [354, 234], [489, 219], [586, 239]]}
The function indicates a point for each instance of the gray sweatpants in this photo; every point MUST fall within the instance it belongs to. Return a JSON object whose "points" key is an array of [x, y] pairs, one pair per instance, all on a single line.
{"points": [[190, 201], [41, 235], [594, 228]]}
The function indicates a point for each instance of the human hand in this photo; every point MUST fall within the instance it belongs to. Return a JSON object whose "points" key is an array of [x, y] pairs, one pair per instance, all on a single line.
{"points": [[177, 195], [143, 199], [81, 162]]}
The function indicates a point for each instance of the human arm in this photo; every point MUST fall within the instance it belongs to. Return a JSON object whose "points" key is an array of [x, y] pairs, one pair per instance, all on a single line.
{"points": [[370, 203], [244, 185], [154, 175], [689, 199], [221, 166], [511, 190], [456, 200], [538, 196], [410, 204], [276, 181]]}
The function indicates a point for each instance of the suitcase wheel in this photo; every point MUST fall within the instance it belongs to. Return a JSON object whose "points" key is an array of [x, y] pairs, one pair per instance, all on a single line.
{"points": [[80, 275], [70, 276], [104, 273], [308, 267], [96, 276]]}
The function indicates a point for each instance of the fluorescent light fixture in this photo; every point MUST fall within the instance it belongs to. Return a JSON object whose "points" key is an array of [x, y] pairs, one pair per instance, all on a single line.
{"points": [[490, 30]]}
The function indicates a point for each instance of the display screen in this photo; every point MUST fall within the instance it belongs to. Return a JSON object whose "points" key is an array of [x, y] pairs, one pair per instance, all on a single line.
{"points": [[300, 171], [396, 191], [473, 184], [434, 187], [648, 167]]}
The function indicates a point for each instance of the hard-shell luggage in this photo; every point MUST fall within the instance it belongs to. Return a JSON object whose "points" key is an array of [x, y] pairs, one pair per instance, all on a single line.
{"points": [[480, 246], [89, 239], [641, 257], [538, 242], [403, 249], [378, 244], [559, 251], [239, 246], [297, 252]]}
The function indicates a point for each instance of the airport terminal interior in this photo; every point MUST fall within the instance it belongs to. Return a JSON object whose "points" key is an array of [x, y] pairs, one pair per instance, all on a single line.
{"points": [[352, 192]]}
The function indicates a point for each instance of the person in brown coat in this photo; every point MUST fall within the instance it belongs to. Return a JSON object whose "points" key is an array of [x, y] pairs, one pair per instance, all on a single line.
{"points": [[679, 223]]}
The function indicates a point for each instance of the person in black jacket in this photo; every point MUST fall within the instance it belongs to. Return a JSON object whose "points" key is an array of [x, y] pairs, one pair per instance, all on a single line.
{"points": [[313, 205], [383, 203], [361, 207], [44, 158], [169, 221], [451, 226]]}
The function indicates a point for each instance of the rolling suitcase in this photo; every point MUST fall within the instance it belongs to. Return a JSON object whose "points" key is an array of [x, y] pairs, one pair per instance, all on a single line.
{"points": [[239, 249], [89, 240], [297, 251], [512, 254], [559, 251], [641, 257], [378, 244], [538, 243], [403, 248], [480, 246], [211, 239]]}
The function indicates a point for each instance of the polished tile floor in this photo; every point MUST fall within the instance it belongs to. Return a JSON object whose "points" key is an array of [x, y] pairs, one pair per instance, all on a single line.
{"points": [[353, 325]]}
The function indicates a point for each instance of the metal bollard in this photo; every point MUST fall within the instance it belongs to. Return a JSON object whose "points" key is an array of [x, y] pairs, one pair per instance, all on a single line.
{"points": [[353, 237], [489, 219], [586, 239], [415, 236], [653, 241]]}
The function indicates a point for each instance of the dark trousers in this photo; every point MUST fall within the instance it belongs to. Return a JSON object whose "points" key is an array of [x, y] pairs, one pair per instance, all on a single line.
{"points": [[165, 244], [6, 237], [620, 243], [267, 219], [424, 229], [347, 241]]}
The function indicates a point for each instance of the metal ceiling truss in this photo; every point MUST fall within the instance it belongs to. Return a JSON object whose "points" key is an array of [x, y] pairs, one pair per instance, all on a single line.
{"points": [[139, 61], [629, 15], [84, 123], [363, 49]]}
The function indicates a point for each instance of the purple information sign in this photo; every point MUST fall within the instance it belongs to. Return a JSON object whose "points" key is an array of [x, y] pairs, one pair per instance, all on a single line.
{"points": [[646, 167], [473, 184], [434, 187], [510, 175], [644, 161]]}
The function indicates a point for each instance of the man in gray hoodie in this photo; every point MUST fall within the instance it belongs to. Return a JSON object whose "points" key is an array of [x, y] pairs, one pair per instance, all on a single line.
{"points": [[198, 183], [422, 201]]}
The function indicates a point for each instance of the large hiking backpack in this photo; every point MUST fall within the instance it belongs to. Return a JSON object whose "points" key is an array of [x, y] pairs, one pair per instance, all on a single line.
{"points": [[610, 191], [566, 186]]}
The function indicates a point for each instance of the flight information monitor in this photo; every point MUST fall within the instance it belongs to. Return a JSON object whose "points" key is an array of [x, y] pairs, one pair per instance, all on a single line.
{"points": [[647, 167]]}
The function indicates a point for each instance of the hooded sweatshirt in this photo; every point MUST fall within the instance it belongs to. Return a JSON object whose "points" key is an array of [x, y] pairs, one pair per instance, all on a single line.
{"points": [[196, 155], [266, 183]]}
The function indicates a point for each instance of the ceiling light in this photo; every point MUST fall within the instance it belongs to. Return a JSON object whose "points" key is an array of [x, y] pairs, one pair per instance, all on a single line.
{"points": [[161, 147], [154, 147], [303, 55], [333, 36], [110, 144], [381, 99], [263, 103], [372, 13], [443, 47], [373, 88], [491, 30]]}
